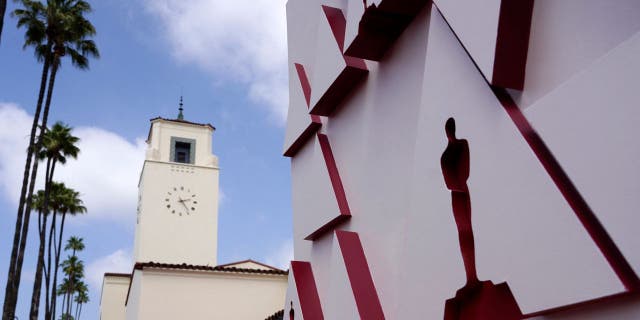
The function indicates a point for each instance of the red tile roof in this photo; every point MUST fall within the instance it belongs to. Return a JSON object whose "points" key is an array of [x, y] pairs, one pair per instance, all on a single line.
{"points": [[223, 268]]}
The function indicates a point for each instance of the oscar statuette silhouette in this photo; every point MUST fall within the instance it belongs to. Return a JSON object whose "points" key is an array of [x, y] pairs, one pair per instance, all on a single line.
{"points": [[476, 300]]}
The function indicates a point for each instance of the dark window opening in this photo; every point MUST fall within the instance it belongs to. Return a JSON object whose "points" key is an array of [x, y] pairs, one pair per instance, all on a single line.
{"points": [[182, 152]]}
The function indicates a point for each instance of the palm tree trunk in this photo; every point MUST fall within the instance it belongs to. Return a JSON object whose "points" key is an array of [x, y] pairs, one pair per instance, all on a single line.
{"points": [[54, 296], [13, 285], [3, 8], [79, 311], [37, 283], [64, 301], [48, 297], [43, 128]]}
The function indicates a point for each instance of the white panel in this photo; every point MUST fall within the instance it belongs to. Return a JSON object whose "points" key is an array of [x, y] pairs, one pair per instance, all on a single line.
{"points": [[314, 201], [590, 125], [302, 18], [298, 118], [329, 61], [476, 23], [525, 232], [568, 35]]}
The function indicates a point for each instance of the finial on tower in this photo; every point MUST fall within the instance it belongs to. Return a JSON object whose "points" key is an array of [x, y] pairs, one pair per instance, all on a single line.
{"points": [[180, 115]]}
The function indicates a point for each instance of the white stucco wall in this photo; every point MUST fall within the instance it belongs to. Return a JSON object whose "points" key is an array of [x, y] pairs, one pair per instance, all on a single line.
{"points": [[183, 294], [114, 294], [387, 137]]}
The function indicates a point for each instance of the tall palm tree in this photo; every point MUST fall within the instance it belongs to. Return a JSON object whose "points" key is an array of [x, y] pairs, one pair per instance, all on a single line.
{"points": [[74, 269], [82, 297], [57, 145], [73, 205], [55, 30]]}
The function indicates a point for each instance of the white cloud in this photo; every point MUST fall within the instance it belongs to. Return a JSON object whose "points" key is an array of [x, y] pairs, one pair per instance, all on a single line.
{"points": [[281, 256], [119, 261], [105, 173], [241, 39]]}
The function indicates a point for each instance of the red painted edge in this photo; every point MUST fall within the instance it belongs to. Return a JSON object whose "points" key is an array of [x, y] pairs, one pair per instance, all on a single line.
{"points": [[307, 291], [302, 139], [364, 290], [338, 190], [338, 24], [380, 26], [316, 122], [571, 194], [331, 225], [304, 82], [334, 175], [512, 43], [354, 71], [579, 305], [562, 181]]}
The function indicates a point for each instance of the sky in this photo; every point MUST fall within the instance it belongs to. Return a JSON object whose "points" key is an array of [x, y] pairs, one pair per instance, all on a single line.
{"points": [[228, 60]]}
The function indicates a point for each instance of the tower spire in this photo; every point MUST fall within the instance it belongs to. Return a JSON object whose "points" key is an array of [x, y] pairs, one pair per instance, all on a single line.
{"points": [[180, 115]]}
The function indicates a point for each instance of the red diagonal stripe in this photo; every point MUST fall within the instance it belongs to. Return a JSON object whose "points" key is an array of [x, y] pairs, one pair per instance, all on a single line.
{"points": [[359, 274], [307, 291], [334, 175], [571, 194], [304, 83]]}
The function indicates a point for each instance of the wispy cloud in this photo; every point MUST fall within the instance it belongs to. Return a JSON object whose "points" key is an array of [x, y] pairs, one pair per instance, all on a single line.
{"points": [[240, 40], [120, 261], [105, 173], [281, 256]]}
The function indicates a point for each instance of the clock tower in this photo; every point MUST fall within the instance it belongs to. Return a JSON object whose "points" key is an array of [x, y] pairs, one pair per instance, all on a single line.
{"points": [[177, 215]]}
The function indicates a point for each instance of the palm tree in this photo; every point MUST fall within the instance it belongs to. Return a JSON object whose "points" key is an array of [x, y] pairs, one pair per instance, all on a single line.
{"points": [[39, 203], [56, 30], [74, 269], [70, 204], [82, 297], [57, 145]]}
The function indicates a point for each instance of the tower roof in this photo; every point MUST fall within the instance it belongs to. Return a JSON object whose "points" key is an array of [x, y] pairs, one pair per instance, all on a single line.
{"points": [[156, 119]]}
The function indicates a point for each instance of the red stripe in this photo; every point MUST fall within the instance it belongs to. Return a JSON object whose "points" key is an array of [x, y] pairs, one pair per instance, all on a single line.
{"points": [[338, 24], [512, 43], [307, 291], [304, 82], [315, 124], [571, 194], [334, 175], [364, 290]]}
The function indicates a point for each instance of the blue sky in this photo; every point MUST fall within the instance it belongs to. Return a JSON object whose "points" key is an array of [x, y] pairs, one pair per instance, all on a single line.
{"points": [[228, 59]]}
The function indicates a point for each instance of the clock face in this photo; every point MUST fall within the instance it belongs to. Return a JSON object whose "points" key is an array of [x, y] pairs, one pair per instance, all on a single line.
{"points": [[181, 201]]}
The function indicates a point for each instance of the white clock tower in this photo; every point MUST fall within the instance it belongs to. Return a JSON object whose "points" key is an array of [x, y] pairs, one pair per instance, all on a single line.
{"points": [[177, 218]]}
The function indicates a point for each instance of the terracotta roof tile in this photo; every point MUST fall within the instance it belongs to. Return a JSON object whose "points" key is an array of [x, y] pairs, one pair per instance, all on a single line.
{"points": [[184, 266], [276, 316]]}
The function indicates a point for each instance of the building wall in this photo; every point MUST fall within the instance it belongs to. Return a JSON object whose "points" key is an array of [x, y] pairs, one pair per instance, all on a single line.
{"points": [[114, 294], [388, 133], [175, 294]]}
